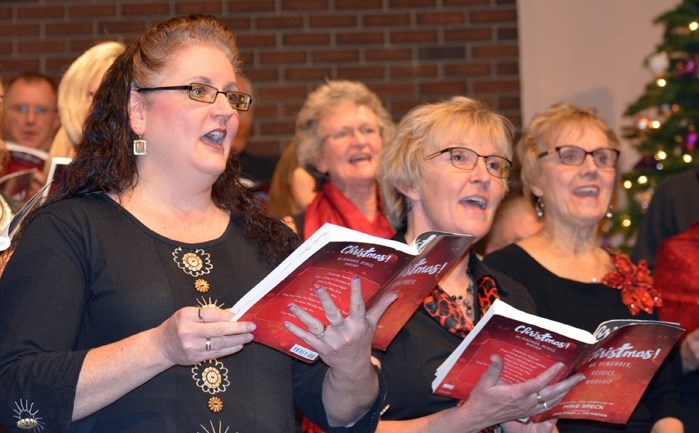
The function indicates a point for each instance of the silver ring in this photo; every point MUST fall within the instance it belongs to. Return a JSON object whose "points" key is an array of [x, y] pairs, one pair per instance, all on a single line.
{"points": [[321, 334], [201, 317], [208, 344], [540, 399], [546, 406]]}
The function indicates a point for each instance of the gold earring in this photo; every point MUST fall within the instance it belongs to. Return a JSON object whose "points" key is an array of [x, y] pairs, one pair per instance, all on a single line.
{"points": [[140, 147]]}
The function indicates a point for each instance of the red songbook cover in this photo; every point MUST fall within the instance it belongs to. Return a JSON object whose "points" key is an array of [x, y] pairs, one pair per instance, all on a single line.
{"points": [[618, 361], [330, 259]]}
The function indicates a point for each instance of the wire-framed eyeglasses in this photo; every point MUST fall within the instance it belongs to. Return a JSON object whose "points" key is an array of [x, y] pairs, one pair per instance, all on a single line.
{"points": [[604, 157], [204, 93], [466, 159]]}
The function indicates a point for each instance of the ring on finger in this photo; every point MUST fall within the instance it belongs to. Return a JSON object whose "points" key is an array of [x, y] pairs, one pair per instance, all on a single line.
{"points": [[207, 345], [201, 316], [321, 334], [546, 405], [339, 325], [540, 399]]}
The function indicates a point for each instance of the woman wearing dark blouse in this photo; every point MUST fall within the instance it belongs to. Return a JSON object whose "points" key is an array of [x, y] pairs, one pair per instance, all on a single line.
{"points": [[569, 158], [446, 169]]}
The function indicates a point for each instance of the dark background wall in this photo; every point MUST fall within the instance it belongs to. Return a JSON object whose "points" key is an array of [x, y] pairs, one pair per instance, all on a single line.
{"points": [[407, 51]]}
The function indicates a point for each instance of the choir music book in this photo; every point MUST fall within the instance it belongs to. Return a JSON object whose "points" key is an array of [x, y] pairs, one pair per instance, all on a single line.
{"points": [[618, 360], [330, 258]]}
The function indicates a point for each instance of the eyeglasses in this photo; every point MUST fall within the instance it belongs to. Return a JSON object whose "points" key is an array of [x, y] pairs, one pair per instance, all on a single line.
{"points": [[344, 134], [603, 157], [204, 93], [466, 159], [26, 108]]}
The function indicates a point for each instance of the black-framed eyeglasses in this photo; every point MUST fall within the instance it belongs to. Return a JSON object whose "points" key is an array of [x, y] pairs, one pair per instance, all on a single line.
{"points": [[466, 159], [204, 93], [604, 157]]}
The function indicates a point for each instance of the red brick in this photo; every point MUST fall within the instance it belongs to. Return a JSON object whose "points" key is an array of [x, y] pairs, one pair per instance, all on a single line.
{"points": [[335, 56], [200, 7], [507, 68], [238, 24], [282, 128], [305, 5], [388, 54], [468, 69], [361, 73], [16, 30], [12, 67], [283, 57], [35, 12], [468, 34], [93, 10], [392, 89], [70, 29], [275, 23], [383, 20], [492, 51], [414, 71], [315, 39], [41, 46], [333, 21], [305, 74], [5, 13], [145, 9], [440, 18], [256, 40], [358, 4], [412, 3], [495, 86], [360, 38], [251, 6], [135, 28], [444, 88], [508, 34], [465, 2], [5, 48], [414, 36], [497, 16]]}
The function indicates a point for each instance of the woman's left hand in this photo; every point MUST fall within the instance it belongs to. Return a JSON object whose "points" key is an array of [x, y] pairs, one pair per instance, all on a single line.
{"points": [[347, 339]]}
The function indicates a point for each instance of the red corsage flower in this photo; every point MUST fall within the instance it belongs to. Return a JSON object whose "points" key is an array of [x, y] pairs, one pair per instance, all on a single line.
{"points": [[635, 283]]}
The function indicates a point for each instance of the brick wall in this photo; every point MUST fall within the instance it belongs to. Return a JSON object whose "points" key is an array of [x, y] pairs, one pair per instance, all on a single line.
{"points": [[407, 51]]}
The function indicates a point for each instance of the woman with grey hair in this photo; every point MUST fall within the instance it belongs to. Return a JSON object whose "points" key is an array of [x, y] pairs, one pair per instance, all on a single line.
{"points": [[446, 169], [339, 133], [569, 161]]}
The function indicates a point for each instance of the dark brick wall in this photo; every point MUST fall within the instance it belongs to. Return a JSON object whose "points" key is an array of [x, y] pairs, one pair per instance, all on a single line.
{"points": [[408, 51]]}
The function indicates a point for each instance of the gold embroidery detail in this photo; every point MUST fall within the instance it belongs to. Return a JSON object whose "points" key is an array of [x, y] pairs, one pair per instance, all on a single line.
{"points": [[213, 428], [215, 404], [201, 285], [211, 376], [195, 263]]}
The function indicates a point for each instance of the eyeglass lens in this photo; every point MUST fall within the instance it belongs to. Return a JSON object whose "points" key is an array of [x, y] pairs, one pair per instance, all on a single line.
{"points": [[205, 93], [466, 159], [574, 155]]}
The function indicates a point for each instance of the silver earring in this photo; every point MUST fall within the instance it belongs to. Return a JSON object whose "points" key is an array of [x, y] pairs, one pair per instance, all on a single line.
{"points": [[610, 212], [539, 208], [140, 147]]}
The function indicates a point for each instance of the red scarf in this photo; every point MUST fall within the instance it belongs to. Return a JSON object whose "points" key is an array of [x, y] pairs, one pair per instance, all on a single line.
{"points": [[331, 206]]}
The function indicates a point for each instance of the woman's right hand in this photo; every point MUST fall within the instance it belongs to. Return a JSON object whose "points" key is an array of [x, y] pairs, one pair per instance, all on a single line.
{"points": [[192, 335], [499, 402]]}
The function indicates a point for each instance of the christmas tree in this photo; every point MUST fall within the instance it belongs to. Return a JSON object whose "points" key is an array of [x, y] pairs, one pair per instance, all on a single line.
{"points": [[664, 120]]}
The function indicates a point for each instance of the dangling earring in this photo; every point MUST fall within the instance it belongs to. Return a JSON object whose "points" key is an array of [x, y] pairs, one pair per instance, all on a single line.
{"points": [[139, 147], [539, 208], [610, 212]]}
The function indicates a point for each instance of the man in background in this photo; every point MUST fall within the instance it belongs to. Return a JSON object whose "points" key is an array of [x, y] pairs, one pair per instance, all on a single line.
{"points": [[31, 114], [256, 170]]}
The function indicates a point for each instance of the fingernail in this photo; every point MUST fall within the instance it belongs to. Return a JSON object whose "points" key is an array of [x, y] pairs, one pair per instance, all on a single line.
{"points": [[318, 289], [252, 327], [355, 278]]}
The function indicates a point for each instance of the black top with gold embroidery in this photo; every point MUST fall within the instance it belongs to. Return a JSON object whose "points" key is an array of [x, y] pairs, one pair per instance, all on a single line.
{"points": [[87, 273]]}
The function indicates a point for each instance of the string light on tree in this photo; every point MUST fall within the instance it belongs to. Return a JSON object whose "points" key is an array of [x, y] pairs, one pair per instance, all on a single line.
{"points": [[663, 119]]}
